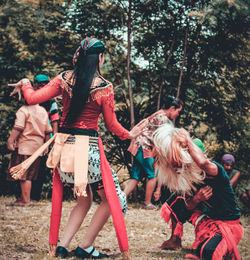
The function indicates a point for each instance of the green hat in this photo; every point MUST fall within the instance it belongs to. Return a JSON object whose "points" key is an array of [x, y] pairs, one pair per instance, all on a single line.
{"points": [[199, 143], [41, 78]]}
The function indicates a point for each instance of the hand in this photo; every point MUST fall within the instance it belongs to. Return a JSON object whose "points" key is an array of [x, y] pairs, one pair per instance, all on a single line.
{"points": [[52, 250], [17, 87], [203, 194], [45, 152], [11, 145], [157, 195], [137, 130]]}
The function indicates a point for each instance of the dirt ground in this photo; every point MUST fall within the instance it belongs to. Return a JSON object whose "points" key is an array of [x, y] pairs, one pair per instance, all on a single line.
{"points": [[24, 232]]}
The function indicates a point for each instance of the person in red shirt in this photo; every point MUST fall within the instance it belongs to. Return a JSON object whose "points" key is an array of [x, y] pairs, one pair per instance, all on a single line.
{"points": [[85, 94]]}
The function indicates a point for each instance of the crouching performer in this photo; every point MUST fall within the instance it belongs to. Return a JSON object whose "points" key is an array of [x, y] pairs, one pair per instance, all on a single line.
{"points": [[211, 208], [77, 155]]}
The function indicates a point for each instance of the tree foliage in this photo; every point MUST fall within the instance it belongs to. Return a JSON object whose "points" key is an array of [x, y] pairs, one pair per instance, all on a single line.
{"points": [[202, 47]]}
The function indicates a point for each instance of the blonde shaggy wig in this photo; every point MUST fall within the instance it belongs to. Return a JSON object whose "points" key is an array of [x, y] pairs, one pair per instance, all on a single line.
{"points": [[173, 163]]}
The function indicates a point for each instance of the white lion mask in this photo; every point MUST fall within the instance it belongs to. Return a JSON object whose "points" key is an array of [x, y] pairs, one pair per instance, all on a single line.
{"points": [[175, 167]]}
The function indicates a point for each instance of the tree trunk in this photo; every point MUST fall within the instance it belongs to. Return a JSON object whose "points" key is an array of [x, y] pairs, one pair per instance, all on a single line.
{"points": [[183, 62], [132, 116], [167, 62]]}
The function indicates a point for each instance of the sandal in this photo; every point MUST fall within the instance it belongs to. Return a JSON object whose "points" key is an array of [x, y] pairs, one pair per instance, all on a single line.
{"points": [[61, 252], [150, 206], [83, 254]]}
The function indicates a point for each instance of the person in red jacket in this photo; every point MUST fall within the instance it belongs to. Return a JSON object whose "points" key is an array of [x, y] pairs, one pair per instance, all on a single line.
{"points": [[85, 95]]}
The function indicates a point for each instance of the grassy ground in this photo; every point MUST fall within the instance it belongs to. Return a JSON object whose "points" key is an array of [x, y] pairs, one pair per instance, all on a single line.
{"points": [[24, 233]]}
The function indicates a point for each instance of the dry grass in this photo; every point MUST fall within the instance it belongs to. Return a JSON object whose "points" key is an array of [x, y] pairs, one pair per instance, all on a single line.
{"points": [[24, 233]]}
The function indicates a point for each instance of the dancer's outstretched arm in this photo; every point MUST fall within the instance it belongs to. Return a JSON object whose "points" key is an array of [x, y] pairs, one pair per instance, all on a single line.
{"points": [[199, 157], [49, 91]]}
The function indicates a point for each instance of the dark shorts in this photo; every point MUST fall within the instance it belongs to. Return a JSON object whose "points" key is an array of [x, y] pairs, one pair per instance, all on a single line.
{"points": [[142, 165], [31, 174]]}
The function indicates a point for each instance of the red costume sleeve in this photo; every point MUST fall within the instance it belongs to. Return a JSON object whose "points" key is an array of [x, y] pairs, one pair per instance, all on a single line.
{"points": [[108, 111], [54, 117], [49, 91]]}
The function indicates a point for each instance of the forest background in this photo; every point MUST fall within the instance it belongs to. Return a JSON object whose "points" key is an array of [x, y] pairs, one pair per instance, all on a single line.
{"points": [[197, 50]]}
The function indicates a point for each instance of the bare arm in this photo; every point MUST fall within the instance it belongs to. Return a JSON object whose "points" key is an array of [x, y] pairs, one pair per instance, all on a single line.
{"points": [[12, 139], [199, 157], [235, 179], [157, 193], [47, 137], [54, 125]]}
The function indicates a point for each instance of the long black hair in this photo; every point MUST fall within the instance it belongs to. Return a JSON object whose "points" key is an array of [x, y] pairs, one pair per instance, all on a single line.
{"points": [[86, 68], [170, 101]]}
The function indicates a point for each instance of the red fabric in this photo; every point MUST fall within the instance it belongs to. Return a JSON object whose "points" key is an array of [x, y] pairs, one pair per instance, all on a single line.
{"points": [[100, 101], [232, 232], [55, 219], [166, 212], [178, 231], [113, 200], [49, 91], [219, 252], [191, 256], [54, 117]]}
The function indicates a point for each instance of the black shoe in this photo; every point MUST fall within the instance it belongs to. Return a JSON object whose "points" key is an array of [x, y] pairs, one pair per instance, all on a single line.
{"points": [[62, 252], [81, 253]]}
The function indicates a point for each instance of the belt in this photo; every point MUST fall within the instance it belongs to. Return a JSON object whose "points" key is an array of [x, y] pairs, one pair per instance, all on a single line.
{"points": [[78, 131]]}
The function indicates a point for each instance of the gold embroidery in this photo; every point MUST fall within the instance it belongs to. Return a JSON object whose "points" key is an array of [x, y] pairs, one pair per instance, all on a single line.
{"points": [[96, 92], [102, 92], [67, 82]]}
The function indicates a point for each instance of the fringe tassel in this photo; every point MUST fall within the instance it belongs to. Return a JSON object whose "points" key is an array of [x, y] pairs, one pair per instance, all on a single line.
{"points": [[166, 212], [19, 170], [80, 190], [126, 255], [191, 256], [178, 231]]}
